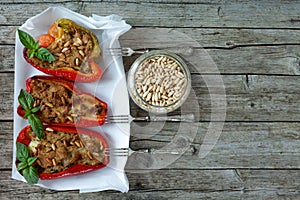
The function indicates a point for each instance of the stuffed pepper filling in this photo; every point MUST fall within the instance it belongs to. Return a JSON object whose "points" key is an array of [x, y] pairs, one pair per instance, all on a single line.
{"points": [[59, 104], [71, 49], [58, 150]]}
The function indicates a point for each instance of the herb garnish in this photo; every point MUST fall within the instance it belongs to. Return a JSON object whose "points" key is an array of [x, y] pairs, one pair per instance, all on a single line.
{"points": [[34, 48], [27, 102], [29, 172]]}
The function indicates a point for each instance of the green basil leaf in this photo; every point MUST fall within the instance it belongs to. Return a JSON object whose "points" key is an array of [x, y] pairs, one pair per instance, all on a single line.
{"points": [[22, 165], [36, 45], [22, 152], [31, 160], [25, 99], [44, 54], [35, 109], [31, 175], [36, 125], [31, 53], [27, 113], [26, 39]]}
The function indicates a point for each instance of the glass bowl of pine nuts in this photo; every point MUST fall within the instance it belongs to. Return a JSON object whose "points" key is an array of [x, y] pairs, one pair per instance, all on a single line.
{"points": [[159, 81]]}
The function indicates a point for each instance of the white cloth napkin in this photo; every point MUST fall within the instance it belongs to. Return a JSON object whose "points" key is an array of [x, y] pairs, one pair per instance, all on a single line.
{"points": [[111, 88]]}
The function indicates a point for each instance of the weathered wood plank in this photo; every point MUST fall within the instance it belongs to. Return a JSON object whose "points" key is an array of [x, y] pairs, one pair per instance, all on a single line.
{"points": [[163, 184], [172, 14], [256, 145], [7, 58], [240, 145], [254, 158], [206, 37], [236, 58], [248, 98], [137, 37], [271, 60], [276, 60]]}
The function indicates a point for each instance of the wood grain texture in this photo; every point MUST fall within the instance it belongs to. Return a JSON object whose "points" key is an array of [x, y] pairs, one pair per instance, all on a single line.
{"points": [[248, 98], [240, 14], [218, 37], [188, 184], [256, 98], [206, 37], [278, 60], [257, 56], [256, 48], [241, 145]]}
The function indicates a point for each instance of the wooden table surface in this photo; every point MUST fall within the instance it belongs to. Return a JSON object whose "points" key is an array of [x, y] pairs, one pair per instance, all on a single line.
{"points": [[255, 46]]}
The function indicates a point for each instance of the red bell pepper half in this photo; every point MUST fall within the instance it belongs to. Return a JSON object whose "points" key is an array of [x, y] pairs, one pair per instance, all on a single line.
{"points": [[74, 48], [68, 73], [78, 167], [63, 104]]}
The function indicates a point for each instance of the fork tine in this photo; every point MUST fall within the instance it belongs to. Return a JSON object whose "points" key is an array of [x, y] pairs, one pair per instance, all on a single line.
{"points": [[121, 51], [115, 51], [116, 116], [117, 119], [116, 152], [127, 51]]}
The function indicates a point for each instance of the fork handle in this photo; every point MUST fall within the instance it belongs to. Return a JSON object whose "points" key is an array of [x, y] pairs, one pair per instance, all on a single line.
{"points": [[173, 118]]}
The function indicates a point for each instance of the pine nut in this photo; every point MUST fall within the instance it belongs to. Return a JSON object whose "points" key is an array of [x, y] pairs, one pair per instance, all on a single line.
{"points": [[148, 97], [48, 160], [89, 155], [65, 143], [70, 118], [161, 89], [67, 43], [63, 100], [144, 88], [49, 104], [49, 129], [81, 53], [53, 147], [155, 97], [35, 103], [48, 150], [171, 93], [42, 107], [145, 94], [81, 143], [56, 112], [78, 40], [76, 61], [53, 162], [77, 144], [64, 50]]}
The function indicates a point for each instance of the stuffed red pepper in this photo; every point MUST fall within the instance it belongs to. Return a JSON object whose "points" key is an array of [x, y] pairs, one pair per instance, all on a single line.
{"points": [[64, 151], [74, 49], [62, 103]]}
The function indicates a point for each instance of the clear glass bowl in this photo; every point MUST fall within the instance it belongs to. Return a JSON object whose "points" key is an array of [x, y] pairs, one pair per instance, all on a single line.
{"points": [[159, 81]]}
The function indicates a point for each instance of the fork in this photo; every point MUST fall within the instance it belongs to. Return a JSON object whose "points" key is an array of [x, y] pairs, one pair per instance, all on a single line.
{"points": [[128, 119], [126, 51], [123, 151]]}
